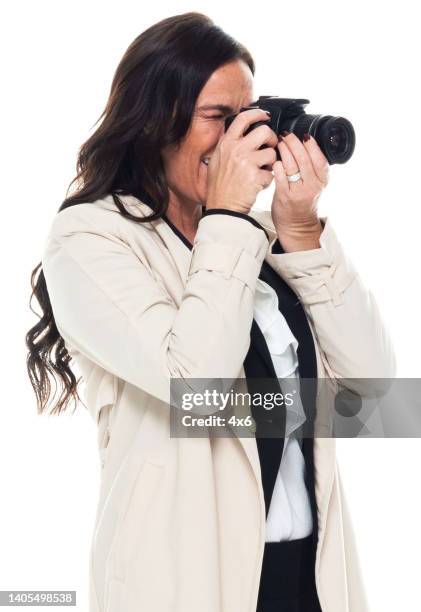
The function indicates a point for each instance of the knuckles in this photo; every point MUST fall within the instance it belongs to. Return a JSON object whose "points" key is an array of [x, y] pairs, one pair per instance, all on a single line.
{"points": [[273, 157], [267, 132]]}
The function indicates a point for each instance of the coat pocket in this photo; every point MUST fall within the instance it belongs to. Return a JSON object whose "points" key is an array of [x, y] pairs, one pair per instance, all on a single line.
{"points": [[105, 405]]}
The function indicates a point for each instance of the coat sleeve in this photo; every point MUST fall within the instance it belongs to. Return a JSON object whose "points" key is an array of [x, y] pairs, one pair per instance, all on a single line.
{"points": [[353, 339], [108, 305]]}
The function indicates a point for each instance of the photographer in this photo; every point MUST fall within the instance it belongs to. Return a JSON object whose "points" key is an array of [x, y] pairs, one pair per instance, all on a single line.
{"points": [[156, 268]]}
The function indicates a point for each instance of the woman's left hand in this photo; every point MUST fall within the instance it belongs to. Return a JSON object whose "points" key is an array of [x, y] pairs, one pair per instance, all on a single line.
{"points": [[294, 205]]}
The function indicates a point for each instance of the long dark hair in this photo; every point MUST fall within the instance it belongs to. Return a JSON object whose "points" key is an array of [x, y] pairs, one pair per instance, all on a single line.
{"points": [[151, 103]]}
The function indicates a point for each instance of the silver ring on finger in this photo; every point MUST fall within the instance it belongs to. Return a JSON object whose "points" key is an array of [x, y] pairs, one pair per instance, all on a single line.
{"points": [[293, 178]]}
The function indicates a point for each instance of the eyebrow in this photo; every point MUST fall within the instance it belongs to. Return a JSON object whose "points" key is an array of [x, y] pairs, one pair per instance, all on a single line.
{"points": [[221, 107]]}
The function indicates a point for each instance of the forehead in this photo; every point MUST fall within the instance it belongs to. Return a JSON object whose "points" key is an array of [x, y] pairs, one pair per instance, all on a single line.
{"points": [[230, 85]]}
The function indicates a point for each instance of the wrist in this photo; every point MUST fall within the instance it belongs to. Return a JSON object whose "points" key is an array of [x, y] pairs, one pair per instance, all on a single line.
{"points": [[299, 237]]}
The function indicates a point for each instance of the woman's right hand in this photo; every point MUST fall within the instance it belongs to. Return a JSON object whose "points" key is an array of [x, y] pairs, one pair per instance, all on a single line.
{"points": [[235, 173]]}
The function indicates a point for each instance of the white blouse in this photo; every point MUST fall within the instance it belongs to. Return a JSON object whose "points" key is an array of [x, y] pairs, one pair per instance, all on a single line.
{"points": [[289, 515]]}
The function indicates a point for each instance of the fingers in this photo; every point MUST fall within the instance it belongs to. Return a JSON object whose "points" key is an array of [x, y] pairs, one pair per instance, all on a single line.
{"points": [[243, 120], [260, 135], [280, 175], [295, 157], [290, 166], [264, 157], [320, 164], [305, 157], [265, 178]]}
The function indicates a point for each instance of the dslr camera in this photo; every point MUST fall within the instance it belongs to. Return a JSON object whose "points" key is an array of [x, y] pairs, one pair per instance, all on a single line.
{"points": [[334, 135]]}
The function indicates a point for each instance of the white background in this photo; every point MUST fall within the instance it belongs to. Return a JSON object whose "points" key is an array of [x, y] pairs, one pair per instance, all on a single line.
{"points": [[356, 60]]}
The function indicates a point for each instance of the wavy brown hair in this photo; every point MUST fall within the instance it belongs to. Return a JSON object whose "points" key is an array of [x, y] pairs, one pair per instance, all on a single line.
{"points": [[150, 105]]}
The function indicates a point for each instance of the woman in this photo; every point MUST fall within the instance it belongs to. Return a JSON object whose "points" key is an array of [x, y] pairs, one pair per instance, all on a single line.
{"points": [[157, 270]]}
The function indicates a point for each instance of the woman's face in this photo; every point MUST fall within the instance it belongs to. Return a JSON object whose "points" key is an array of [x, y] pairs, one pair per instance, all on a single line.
{"points": [[228, 89]]}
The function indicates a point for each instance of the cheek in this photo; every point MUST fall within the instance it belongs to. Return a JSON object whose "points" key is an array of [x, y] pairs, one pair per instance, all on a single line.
{"points": [[206, 137], [184, 170], [175, 165]]}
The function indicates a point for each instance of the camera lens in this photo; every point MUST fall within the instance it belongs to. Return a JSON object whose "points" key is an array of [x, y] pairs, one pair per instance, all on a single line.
{"points": [[336, 137], [337, 140]]}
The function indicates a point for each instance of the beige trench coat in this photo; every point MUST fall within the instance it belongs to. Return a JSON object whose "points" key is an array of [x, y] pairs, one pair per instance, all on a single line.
{"points": [[180, 524]]}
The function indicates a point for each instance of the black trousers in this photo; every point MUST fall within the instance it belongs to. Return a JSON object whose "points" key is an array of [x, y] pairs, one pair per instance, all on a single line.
{"points": [[287, 581]]}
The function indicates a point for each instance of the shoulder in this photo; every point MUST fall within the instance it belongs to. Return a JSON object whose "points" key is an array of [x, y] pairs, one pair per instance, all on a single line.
{"points": [[101, 217], [92, 229]]}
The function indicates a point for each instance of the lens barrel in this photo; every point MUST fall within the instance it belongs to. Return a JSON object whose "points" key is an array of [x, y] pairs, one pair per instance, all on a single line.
{"points": [[334, 135]]}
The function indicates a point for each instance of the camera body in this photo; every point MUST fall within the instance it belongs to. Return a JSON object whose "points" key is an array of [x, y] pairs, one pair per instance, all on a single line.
{"points": [[334, 135]]}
